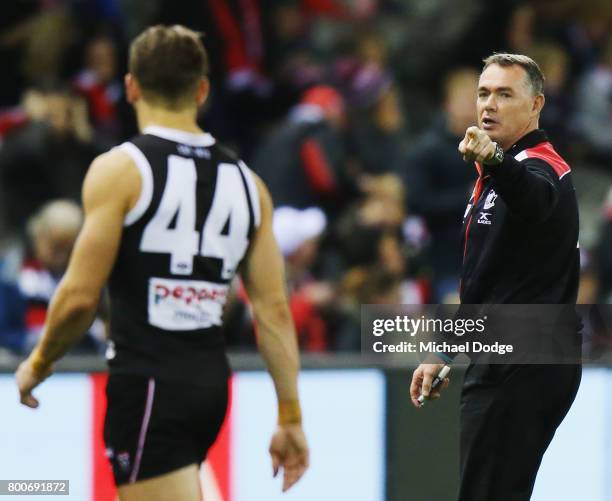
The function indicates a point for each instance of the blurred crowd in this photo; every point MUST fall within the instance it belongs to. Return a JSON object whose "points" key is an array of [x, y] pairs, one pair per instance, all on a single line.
{"points": [[350, 110]]}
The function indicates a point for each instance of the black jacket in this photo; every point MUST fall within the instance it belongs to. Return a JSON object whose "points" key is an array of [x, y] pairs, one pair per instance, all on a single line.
{"points": [[520, 229]]}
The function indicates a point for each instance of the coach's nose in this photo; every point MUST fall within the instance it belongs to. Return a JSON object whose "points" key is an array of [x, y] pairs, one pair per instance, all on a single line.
{"points": [[491, 102]]}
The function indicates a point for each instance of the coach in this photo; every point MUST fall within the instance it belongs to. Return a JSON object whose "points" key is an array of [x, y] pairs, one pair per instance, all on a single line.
{"points": [[520, 245]]}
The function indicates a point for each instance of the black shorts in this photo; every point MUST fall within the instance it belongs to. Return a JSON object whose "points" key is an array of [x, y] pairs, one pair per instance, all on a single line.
{"points": [[153, 427]]}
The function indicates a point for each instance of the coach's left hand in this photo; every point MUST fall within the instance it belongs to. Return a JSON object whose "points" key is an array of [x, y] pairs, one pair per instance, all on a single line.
{"points": [[422, 377], [476, 145]]}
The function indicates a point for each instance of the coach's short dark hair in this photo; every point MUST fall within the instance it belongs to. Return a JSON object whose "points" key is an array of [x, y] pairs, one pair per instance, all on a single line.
{"points": [[535, 77], [168, 62]]}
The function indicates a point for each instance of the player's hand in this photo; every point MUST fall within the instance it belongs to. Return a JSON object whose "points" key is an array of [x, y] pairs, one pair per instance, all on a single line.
{"points": [[289, 451], [476, 145], [27, 380], [422, 377]]}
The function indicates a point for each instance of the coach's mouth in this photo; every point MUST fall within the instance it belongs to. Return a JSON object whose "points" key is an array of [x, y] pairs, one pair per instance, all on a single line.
{"points": [[488, 123]]}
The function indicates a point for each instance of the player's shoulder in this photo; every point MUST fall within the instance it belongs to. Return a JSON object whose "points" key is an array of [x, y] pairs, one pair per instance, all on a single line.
{"points": [[111, 173], [116, 163]]}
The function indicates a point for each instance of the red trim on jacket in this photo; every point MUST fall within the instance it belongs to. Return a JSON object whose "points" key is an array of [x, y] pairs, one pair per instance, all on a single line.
{"points": [[545, 151]]}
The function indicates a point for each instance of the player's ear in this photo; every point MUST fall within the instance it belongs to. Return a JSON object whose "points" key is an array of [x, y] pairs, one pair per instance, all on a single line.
{"points": [[132, 89], [203, 90]]}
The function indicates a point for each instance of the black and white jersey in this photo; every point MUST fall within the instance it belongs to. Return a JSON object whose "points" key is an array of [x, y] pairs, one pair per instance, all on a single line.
{"points": [[181, 245]]}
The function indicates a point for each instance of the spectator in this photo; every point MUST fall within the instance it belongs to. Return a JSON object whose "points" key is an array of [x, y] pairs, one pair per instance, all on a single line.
{"points": [[373, 247], [43, 39], [438, 181], [368, 232], [371, 47], [556, 116], [363, 286], [298, 233], [302, 161], [100, 85], [377, 134], [47, 158], [372, 234], [594, 106], [587, 33], [603, 254], [30, 278], [520, 32]]}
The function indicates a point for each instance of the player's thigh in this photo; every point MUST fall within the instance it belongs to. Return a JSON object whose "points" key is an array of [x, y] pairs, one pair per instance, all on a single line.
{"points": [[179, 485]]}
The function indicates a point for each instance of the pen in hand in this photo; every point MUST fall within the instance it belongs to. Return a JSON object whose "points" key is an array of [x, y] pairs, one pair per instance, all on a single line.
{"points": [[435, 383]]}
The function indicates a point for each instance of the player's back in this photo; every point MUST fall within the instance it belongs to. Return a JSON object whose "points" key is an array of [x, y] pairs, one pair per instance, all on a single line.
{"points": [[181, 245]]}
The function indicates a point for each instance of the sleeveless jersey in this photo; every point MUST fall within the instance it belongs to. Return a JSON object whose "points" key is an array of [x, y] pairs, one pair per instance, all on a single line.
{"points": [[181, 245]]}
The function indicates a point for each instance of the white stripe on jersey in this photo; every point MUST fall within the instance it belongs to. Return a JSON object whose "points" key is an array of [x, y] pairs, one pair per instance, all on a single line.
{"points": [[253, 192], [146, 175]]}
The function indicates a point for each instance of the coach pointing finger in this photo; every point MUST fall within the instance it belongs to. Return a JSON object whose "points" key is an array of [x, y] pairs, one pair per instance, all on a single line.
{"points": [[477, 146]]}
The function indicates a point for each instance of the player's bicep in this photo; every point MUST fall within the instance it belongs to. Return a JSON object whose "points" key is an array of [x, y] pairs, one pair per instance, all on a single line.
{"points": [[95, 250], [263, 271], [107, 194]]}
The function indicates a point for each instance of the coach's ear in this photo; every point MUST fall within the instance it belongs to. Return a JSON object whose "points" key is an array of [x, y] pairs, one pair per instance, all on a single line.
{"points": [[538, 104], [203, 90], [132, 89]]}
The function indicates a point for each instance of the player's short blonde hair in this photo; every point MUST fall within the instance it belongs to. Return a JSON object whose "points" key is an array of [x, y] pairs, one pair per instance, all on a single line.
{"points": [[168, 63]]}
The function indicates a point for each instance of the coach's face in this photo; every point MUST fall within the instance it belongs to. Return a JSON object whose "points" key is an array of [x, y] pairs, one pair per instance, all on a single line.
{"points": [[507, 106]]}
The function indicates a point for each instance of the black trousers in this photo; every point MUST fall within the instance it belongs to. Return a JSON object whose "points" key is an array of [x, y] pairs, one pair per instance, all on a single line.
{"points": [[509, 414]]}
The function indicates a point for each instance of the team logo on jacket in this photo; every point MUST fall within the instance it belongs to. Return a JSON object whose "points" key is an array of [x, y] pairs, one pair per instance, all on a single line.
{"points": [[484, 218], [490, 200]]}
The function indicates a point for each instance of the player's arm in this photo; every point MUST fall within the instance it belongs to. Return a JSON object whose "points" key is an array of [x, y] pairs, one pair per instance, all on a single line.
{"points": [[264, 279], [109, 190]]}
